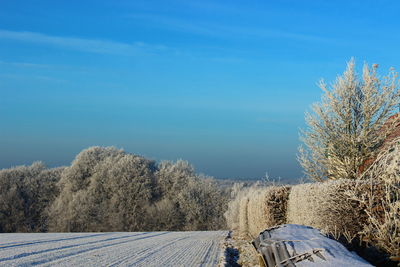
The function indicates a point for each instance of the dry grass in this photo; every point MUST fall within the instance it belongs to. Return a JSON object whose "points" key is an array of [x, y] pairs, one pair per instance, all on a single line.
{"points": [[382, 201], [328, 207]]}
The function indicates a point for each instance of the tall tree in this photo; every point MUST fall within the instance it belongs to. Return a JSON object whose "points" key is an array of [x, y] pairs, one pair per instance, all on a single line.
{"points": [[349, 124]]}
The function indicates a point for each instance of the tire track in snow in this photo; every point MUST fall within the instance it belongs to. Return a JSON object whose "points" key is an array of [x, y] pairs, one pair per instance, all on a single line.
{"points": [[27, 254], [140, 260], [177, 255], [20, 244], [79, 252], [150, 246]]}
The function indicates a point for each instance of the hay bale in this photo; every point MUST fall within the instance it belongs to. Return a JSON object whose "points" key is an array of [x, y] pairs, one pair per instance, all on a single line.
{"points": [[232, 214], [255, 212], [327, 206], [266, 208], [243, 219], [256, 208]]}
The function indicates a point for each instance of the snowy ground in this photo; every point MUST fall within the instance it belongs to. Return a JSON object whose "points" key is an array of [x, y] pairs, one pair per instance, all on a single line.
{"points": [[112, 249]]}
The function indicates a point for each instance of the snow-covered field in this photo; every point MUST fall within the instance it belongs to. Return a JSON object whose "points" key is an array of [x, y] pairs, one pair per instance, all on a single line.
{"points": [[112, 249]]}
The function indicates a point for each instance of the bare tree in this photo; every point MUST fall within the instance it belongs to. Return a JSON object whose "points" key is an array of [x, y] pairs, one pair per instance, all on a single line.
{"points": [[349, 124]]}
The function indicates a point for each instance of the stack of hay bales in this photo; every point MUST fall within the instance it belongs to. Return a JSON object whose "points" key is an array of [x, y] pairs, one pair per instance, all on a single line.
{"points": [[367, 208], [327, 206], [256, 208], [266, 207]]}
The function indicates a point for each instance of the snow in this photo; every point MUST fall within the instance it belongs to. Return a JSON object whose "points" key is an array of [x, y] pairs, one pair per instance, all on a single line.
{"points": [[112, 249], [300, 239]]}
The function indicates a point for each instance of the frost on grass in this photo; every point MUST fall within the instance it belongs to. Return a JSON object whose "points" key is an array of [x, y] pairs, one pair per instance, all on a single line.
{"points": [[382, 201]]}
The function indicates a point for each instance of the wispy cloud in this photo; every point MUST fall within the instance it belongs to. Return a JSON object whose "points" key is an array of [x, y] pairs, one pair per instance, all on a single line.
{"points": [[25, 65], [28, 77], [223, 31], [82, 44]]}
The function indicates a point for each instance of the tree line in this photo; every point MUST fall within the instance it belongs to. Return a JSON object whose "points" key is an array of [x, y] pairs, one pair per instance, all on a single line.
{"points": [[107, 189]]}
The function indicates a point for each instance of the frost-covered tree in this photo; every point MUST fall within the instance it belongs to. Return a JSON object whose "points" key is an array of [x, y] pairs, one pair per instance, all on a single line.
{"points": [[105, 189], [196, 201], [203, 204], [172, 177], [25, 194], [349, 124], [164, 215]]}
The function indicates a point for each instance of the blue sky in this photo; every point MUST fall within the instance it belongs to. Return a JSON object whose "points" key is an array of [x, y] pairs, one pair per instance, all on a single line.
{"points": [[222, 84]]}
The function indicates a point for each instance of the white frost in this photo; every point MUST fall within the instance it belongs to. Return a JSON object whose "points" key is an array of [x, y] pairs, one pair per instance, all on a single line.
{"points": [[111, 249]]}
